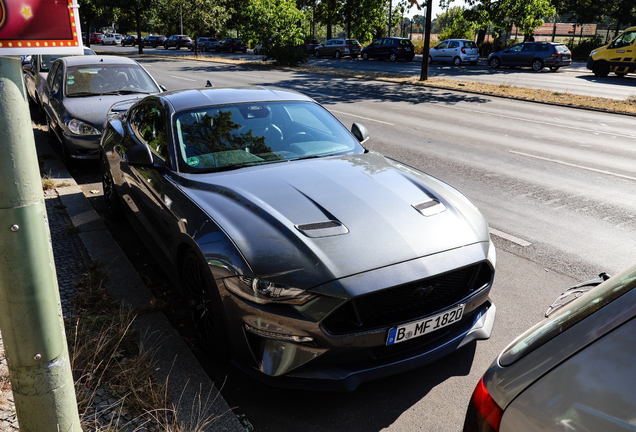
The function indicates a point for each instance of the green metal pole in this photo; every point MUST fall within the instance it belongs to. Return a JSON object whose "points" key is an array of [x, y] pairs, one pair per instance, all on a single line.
{"points": [[30, 309]]}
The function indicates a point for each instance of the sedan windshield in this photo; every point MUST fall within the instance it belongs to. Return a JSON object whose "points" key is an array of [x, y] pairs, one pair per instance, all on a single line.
{"points": [[91, 80], [230, 136]]}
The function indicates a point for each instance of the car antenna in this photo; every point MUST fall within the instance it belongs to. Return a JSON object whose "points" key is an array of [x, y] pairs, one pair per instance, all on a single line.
{"points": [[208, 84]]}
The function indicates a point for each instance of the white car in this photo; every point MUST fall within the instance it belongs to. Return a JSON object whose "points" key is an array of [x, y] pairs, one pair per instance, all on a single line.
{"points": [[112, 39], [457, 51]]}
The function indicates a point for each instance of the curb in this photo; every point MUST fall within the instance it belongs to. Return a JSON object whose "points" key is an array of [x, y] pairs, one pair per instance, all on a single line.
{"points": [[186, 381]]}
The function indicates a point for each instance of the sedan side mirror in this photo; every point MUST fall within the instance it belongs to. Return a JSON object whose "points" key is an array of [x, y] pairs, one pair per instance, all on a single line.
{"points": [[27, 67], [139, 155], [360, 132]]}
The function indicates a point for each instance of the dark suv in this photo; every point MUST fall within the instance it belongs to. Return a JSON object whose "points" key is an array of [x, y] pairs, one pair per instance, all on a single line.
{"points": [[177, 41], [231, 45], [536, 55], [205, 44], [393, 48], [154, 41]]}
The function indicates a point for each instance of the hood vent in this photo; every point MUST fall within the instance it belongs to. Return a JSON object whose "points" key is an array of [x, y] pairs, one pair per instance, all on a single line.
{"points": [[430, 207], [322, 229]]}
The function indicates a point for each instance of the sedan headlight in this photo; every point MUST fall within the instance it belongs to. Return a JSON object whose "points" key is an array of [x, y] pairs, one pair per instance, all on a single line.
{"points": [[78, 127], [262, 292], [592, 53]]}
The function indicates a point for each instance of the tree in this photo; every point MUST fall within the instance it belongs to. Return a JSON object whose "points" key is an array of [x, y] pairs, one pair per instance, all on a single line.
{"points": [[201, 15], [453, 25], [527, 15], [327, 13], [276, 23], [623, 12]]}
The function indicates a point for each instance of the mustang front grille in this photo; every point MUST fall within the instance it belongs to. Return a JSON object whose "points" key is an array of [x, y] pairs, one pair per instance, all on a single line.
{"points": [[406, 302]]}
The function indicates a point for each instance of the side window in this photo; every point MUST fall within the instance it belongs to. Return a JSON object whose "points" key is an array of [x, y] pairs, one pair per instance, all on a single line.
{"points": [[54, 79], [49, 79], [148, 124], [453, 44], [516, 48], [442, 45], [623, 40], [527, 48]]}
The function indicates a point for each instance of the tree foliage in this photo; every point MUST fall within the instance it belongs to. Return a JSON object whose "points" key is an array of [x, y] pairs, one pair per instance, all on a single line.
{"points": [[527, 15], [453, 25], [276, 23]]}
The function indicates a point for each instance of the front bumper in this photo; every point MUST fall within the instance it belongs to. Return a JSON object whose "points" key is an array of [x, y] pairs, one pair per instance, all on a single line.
{"points": [[333, 354], [82, 147]]}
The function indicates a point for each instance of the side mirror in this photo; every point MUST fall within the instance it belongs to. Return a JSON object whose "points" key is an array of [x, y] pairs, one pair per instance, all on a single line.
{"points": [[26, 67], [163, 88], [139, 155], [360, 132]]}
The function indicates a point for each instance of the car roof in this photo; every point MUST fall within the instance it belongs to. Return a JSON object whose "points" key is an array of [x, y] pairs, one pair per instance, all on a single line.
{"points": [[192, 98], [96, 60]]}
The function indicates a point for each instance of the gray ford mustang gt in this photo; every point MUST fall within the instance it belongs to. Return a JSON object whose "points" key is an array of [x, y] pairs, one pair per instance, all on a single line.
{"points": [[308, 260]]}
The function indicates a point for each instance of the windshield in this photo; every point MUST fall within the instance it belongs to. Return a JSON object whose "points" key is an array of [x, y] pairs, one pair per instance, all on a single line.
{"points": [[570, 315], [46, 60], [220, 137], [91, 80]]}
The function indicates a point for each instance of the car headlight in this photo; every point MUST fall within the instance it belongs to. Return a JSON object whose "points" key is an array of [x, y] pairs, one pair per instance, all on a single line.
{"points": [[262, 291], [592, 53], [78, 127]]}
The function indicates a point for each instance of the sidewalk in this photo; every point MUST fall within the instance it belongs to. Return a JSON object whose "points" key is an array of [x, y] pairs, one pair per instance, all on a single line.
{"points": [[187, 384]]}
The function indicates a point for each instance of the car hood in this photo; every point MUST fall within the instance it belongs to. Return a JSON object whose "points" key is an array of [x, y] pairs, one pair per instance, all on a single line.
{"points": [[93, 110], [269, 212]]}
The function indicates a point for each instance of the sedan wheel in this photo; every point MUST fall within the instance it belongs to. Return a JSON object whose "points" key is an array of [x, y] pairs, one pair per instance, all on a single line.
{"points": [[537, 65], [205, 309], [457, 61], [316, 53], [337, 54], [494, 62], [393, 57], [231, 50], [430, 60], [110, 194], [365, 56]]}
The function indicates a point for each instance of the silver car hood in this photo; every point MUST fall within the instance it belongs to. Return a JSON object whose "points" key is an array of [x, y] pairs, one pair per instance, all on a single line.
{"points": [[263, 209], [93, 110]]}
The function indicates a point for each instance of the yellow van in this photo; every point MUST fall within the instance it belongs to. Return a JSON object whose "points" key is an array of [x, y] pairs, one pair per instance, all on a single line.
{"points": [[619, 56]]}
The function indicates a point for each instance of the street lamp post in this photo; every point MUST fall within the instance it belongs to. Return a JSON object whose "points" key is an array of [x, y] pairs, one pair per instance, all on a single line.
{"points": [[181, 13]]}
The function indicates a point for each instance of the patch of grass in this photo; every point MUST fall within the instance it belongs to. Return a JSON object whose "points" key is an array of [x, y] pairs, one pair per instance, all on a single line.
{"points": [[47, 183]]}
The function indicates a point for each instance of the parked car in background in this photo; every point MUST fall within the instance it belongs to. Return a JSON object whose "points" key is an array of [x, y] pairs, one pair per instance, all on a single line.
{"points": [[338, 48], [96, 38], [177, 41], [456, 51], [112, 39], [36, 71], [536, 55], [205, 44], [392, 48], [617, 56], [154, 40], [81, 89], [310, 46], [129, 40], [273, 231], [231, 45], [573, 371]]}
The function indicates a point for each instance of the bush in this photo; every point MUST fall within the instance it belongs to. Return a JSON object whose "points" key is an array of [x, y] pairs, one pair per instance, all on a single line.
{"points": [[286, 55], [419, 45], [582, 50]]}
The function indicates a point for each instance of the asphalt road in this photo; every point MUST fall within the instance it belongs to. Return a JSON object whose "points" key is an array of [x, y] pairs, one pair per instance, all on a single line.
{"points": [[574, 79], [554, 183]]}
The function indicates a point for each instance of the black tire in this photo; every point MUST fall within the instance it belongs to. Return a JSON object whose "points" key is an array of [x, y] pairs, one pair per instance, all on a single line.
{"points": [[473, 63], [430, 60], [205, 307], [393, 57], [601, 69], [231, 50], [177, 47], [113, 202], [554, 68], [218, 49], [457, 61], [494, 62], [354, 56], [317, 53], [620, 74], [365, 56], [337, 55]]}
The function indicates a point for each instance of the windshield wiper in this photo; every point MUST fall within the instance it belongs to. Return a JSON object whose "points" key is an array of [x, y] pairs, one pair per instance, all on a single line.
{"points": [[123, 92], [83, 94], [310, 157], [229, 167]]}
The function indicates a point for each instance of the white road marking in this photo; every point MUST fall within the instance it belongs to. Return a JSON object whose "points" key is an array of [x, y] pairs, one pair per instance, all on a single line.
{"points": [[182, 78], [574, 165], [509, 237], [363, 118]]}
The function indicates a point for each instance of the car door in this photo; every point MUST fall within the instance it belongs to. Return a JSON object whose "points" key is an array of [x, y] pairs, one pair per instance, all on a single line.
{"points": [[52, 98], [622, 53], [527, 54], [384, 50], [510, 56], [451, 51], [150, 186], [437, 52]]}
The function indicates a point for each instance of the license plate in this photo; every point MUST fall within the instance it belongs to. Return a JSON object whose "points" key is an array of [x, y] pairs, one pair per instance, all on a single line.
{"points": [[427, 325]]}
